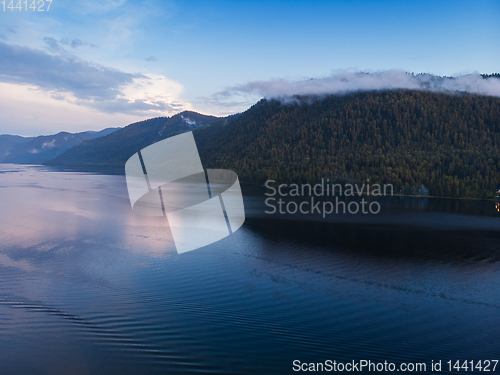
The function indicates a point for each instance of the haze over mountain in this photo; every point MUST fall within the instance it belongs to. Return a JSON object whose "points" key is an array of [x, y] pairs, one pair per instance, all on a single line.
{"points": [[114, 149], [8, 142], [37, 150], [344, 82]]}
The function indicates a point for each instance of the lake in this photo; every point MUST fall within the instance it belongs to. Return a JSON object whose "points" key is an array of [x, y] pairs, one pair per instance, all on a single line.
{"points": [[89, 287]]}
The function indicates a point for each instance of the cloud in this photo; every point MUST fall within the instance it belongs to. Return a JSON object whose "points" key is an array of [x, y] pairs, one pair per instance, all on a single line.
{"points": [[50, 144], [31, 111], [188, 121], [122, 105], [75, 43], [344, 82], [67, 77], [151, 58], [53, 45], [151, 92], [64, 73]]}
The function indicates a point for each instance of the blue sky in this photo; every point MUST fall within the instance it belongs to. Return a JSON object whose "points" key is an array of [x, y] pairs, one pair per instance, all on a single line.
{"points": [[87, 65]]}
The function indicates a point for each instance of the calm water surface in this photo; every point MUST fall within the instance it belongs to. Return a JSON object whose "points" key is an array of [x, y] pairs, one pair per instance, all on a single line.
{"points": [[88, 287]]}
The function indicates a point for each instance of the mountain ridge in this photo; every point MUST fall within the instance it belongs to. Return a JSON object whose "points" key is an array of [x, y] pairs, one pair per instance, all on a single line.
{"points": [[37, 150], [114, 150]]}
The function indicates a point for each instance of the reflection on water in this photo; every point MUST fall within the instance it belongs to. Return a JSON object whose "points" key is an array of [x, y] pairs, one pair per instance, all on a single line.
{"points": [[87, 286]]}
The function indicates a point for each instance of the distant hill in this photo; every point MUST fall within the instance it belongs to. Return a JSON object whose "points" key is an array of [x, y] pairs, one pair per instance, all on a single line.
{"points": [[37, 150], [450, 143], [115, 149], [8, 142]]}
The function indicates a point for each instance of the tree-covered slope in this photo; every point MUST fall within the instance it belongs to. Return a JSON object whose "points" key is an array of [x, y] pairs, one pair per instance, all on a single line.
{"points": [[449, 143], [115, 149]]}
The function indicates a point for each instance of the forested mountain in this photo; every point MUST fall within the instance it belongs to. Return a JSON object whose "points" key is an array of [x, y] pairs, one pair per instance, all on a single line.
{"points": [[448, 142], [37, 150], [115, 149]]}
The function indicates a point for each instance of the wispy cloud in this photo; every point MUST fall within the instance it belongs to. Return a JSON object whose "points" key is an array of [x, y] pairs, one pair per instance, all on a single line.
{"points": [[82, 82], [56, 47], [344, 82], [75, 43], [50, 144], [53, 45], [65, 73]]}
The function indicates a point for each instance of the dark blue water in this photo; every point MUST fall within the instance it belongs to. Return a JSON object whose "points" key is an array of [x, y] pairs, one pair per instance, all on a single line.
{"points": [[88, 287]]}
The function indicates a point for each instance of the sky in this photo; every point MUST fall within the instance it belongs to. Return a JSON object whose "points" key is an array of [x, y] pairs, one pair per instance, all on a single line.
{"points": [[91, 64]]}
